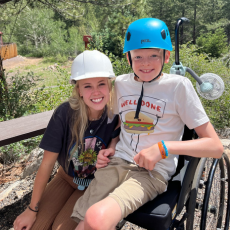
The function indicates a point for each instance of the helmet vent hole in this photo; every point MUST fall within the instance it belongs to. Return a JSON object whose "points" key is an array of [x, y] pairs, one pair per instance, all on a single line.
{"points": [[163, 34], [128, 36]]}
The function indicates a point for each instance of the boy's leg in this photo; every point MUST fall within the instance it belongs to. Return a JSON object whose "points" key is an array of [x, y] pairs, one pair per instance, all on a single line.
{"points": [[105, 181], [129, 196], [80, 226], [103, 215], [63, 220], [53, 199]]}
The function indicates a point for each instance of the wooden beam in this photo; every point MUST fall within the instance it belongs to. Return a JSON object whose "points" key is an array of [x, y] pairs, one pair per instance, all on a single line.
{"points": [[24, 127]]}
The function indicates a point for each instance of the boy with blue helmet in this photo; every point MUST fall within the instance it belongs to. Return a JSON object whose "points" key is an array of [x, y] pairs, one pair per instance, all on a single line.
{"points": [[153, 109]]}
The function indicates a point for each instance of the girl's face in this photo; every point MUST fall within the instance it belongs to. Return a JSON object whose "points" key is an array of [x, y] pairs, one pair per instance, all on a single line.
{"points": [[95, 94]]}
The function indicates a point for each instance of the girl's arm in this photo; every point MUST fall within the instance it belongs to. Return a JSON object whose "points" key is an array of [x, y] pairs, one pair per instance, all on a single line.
{"points": [[104, 154], [208, 145], [28, 217]]}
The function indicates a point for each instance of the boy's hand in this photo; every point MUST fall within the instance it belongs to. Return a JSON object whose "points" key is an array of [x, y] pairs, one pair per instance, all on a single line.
{"points": [[103, 157], [147, 158]]}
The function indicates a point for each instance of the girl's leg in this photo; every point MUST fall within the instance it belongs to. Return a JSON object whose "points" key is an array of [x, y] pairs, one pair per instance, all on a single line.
{"points": [[53, 199], [63, 220]]}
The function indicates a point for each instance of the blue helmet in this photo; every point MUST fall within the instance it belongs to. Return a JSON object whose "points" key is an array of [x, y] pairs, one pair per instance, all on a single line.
{"points": [[147, 33]]}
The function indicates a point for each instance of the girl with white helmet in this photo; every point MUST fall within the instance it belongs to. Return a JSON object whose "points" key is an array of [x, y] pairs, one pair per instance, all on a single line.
{"points": [[77, 131]]}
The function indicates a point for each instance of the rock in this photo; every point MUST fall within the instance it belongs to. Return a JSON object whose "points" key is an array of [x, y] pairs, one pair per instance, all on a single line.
{"points": [[6, 192], [225, 142], [225, 132], [227, 152], [34, 161], [31, 168], [35, 154]]}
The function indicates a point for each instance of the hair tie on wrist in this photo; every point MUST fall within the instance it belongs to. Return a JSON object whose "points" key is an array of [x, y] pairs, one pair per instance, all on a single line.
{"points": [[32, 209]]}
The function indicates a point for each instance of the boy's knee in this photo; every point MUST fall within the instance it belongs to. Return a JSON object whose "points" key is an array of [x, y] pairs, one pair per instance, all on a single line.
{"points": [[94, 218]]}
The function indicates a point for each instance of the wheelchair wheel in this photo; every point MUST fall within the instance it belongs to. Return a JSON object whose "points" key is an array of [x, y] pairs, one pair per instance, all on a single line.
{"points": [[208, 203]]}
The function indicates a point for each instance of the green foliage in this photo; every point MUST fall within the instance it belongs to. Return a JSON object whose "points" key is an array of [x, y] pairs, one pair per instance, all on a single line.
{"points": [[120, 65], [38, 34], [213, 44], [12, 152], [51, 97], [111, 37], [18, 96], [60, 59]]}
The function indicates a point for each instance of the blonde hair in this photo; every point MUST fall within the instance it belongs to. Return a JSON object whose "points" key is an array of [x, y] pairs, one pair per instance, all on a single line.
{"points": [[79, 118]]}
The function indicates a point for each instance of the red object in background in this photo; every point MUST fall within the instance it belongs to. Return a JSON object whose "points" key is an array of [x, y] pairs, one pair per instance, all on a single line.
{"points": [[86, 39], [1, 43]]}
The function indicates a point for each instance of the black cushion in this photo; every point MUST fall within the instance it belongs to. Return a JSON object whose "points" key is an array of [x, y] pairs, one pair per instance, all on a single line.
{"points": [[157, 214]]}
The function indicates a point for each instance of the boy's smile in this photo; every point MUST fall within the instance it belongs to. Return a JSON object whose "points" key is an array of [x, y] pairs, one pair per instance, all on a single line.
{"points": [[147, 63]]}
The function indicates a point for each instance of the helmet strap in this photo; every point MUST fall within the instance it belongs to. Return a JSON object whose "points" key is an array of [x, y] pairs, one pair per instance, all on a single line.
{"points": [[142, 90]]}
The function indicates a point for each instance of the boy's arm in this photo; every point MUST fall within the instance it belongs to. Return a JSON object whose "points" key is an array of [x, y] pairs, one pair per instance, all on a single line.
{"points": [[208, 145], [104, 154]]}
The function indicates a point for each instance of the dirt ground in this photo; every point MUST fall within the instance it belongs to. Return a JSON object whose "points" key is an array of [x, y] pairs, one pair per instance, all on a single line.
{"points": [[20, 61]]}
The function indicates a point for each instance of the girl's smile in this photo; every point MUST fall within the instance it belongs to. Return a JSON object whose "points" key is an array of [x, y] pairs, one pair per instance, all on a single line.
{"points": [[95, 94]]}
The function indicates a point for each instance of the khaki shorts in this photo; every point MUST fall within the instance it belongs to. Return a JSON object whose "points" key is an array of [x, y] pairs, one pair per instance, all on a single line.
{"points": [[130, 185]]}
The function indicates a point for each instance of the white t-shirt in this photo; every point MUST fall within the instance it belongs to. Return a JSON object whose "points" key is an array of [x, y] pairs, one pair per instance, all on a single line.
{"points": [[167, 105]]}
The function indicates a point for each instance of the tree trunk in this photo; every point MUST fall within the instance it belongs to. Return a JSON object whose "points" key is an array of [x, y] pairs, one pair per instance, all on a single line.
{"points": [[194, 24], [182, 27]]}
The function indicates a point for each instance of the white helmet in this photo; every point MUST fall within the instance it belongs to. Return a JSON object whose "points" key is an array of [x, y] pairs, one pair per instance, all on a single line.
{"points": [[90, 64]]}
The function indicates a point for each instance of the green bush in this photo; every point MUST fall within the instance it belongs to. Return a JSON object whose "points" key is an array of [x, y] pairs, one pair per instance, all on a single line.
{"points": [[12, 152], [213, 44], [18, 95], [51, 97]]}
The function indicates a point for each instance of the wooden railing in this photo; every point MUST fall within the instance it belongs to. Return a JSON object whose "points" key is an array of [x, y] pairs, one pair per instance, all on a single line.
{"points": [[8, 51], [24, 127]]}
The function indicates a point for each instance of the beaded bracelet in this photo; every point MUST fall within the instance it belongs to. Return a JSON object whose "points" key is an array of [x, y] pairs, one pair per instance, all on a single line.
{"points": [[32, 209]]}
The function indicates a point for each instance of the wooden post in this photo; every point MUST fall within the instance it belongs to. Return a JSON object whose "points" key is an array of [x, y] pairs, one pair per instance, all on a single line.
{"points": [[86, 39], [2, 80]]}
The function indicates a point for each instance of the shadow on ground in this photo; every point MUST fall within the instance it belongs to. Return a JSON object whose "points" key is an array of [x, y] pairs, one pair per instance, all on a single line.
{"points": [[9, 213]]}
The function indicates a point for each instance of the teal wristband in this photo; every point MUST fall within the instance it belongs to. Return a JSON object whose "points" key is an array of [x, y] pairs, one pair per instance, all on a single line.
{"points": [[165, 148]]}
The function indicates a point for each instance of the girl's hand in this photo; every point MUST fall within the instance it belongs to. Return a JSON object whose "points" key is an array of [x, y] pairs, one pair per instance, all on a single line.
{"points": [[25, 220], [147, 158], [103, 157]]}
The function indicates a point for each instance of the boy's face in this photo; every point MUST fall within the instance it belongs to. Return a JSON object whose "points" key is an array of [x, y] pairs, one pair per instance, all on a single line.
{"points": [[147, 63]]}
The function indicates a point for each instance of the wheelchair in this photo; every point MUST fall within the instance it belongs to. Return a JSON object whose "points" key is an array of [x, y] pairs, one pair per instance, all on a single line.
{"points": [[202, 199]]}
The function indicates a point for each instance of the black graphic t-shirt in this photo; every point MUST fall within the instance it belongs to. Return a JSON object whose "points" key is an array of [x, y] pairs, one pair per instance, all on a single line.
{"points": [[57, 138]]}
